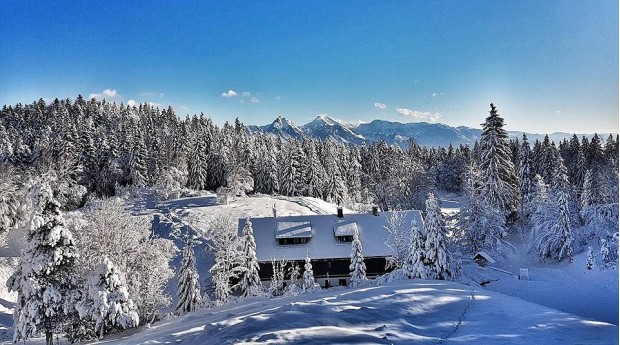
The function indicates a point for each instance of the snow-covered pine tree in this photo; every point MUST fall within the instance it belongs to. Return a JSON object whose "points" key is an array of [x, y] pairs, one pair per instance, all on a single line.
{"points": [[107, 301], [499, 180], [590, 260], [481, 222], [309, 282], [188, 286], [436, 256], [137, 166], [558, 241], [43, 277], [250, 280], [414, 264], [357, 267]]}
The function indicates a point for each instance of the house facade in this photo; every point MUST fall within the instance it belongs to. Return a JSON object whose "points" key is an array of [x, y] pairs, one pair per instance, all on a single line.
{"points": [[326, 239]]}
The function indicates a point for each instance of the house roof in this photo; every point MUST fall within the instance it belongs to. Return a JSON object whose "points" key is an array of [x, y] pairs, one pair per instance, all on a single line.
{"points": [[322, 231], [484, 256]]}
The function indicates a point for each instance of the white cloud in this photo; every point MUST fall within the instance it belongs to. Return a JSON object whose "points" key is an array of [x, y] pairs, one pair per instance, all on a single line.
{"points": [[107, 94], [419, 115], [151, 94], [246, 94], [131, 103], [254, 100], [435, 94], [381, 106], [229, 93]]}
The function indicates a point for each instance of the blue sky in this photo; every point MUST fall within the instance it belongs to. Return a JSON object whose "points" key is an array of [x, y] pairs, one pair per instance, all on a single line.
{"points": [[548, 65]]}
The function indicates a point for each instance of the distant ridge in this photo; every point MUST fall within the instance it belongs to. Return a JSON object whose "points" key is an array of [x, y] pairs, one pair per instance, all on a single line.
{"points": [[423, 133]]}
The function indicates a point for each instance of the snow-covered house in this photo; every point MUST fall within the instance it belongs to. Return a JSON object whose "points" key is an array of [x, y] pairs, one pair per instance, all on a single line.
{"points": [[326, 239]]}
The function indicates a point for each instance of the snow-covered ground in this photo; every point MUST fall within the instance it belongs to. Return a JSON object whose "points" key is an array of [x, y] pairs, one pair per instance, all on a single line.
{"points": [[561, 303], [426, 312]]}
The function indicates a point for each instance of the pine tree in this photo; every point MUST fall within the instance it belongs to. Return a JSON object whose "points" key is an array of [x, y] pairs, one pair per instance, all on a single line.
{"points": [[107, 302], [499, 180], [357, 267], [309, 282], [414, 264], [42, 279], [436, 256], [250, 280], [557, 241], [188, 286], [482, 223]]}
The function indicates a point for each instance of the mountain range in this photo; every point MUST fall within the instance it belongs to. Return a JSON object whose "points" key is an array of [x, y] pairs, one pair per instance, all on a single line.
{"points": [[423, 133]]}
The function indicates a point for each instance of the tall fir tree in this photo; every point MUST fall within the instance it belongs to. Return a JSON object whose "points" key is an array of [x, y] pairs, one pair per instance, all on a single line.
{"points": [[499, 180], [250, 280]]}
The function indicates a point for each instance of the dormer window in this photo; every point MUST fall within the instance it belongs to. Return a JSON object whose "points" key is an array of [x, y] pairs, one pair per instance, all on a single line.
{"points": [[292, 233], [344, 231]]}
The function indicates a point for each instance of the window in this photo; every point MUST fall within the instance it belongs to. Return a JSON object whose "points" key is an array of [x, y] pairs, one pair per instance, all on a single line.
{"points": [[293, 240], [345, 239]]}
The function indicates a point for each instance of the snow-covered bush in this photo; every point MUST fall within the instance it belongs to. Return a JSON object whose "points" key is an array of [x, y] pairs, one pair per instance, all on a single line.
{"points": [[276, 286], [171, 183], [398, 241], [107, 230], [107, 301]]}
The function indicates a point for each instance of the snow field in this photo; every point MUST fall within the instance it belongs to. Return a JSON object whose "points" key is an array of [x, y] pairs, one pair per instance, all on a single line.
{"points": [[420, 311]]}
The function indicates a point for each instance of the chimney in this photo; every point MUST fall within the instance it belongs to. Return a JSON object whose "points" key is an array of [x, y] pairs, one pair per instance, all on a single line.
{"points": [[375, 210], [340, 213]]}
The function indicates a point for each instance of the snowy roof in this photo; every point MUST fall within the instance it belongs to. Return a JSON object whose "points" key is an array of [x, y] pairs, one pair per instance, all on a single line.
{"points": [[321, 230], [485, 256], [346, 228], [293, 229]]}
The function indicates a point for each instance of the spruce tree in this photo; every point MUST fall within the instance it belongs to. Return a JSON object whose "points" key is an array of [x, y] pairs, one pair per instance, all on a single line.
{"points": [[436, 256], [558, 241], [357, 267], [414, 263], [250, 280], [188, 286], [499, 179], [43, 277]]}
